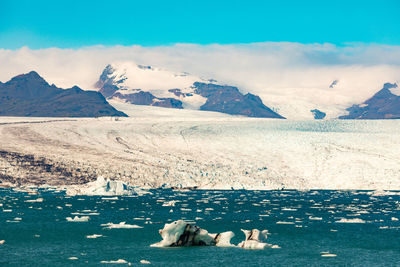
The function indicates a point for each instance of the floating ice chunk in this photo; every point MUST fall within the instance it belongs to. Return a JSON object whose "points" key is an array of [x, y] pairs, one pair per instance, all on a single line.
{"points": [[355, 220], [288, 209], [119, 261], [378, 193], [145, 262], [394, 219], [78, 219], [105, 187], [72, 258], [170, 203], [181, 233], [254, 239], [283, 222], [224, 239], [121, 225], [328, 255], [109, 198], [93, 236], [315, 218], [35, 200], [2, 242]]}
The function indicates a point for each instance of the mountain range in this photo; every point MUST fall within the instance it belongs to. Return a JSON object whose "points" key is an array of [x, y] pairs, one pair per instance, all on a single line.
{"points": [[146, 85], [29, 95]]}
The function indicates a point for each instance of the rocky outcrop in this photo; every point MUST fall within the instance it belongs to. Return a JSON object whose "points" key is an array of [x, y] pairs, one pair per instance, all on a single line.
{"points": [[318, 114], [383, 105], [146, 98], [228, 99], [30, 95]]}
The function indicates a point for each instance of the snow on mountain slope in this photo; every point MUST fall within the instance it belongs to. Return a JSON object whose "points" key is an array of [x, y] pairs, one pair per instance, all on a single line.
{"points": [[131, 78], [146, 85], [221, 152]]}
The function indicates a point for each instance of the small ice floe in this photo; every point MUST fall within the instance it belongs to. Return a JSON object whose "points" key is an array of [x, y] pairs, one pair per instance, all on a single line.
{"points": [[7, 210], [327, 254], [78, 219], [394, 219], [93, 236], [379, 193], [121, 225], [355, 220], [34, 200], [105, 187], [315, 218], [109, 198], [2, 242], [170, 203], [119, 261], [72, 258], [283, 222], [145, 262]]}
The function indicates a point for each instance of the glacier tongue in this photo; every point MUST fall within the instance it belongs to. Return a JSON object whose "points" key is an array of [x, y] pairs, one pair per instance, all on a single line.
{"points": [[158, 147]]}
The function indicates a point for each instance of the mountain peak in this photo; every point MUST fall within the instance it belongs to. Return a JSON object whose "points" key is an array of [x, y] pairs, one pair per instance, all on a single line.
{"points": [[31, 76]]}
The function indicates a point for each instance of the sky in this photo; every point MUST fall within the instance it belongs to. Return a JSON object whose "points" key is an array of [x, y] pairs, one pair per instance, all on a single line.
{"points": [[76, 23]]}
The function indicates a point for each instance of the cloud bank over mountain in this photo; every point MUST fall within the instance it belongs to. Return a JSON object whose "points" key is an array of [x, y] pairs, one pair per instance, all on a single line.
{"points": [[291, 77]]}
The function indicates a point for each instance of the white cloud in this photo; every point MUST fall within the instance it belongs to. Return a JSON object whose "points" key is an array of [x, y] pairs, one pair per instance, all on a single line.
{"points": [[290, 76]]}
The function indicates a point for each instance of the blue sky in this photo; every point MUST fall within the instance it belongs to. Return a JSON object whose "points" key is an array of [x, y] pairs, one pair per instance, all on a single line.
{"points": [[73, 24]]}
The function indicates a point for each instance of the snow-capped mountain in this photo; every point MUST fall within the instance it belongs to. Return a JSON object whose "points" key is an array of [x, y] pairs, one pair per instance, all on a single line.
{"points": [[146, 85], [385, 104]]}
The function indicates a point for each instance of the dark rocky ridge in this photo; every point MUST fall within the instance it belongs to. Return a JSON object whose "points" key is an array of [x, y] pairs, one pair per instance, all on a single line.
{"points": [[148, 99], [30, 95], [318, 114], [383, 105], [228, 99]]}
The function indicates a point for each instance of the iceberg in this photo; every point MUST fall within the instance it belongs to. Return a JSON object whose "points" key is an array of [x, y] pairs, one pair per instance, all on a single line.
{"points": [[254, 239], [105, 187], [183, 234]]}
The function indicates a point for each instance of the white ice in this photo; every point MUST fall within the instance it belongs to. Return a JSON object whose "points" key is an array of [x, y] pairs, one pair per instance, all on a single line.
{"points": [[78, 219], [355, 220], [119, 261], [186, 148], [121, 225], [103, 187]]}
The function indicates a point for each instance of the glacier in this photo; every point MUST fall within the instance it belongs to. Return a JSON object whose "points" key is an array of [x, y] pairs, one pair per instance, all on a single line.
{"points": [[161, 148]]}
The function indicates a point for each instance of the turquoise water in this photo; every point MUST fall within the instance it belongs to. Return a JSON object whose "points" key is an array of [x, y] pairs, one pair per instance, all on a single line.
{"points": [[38, 234]]}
